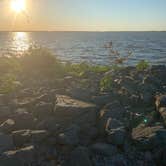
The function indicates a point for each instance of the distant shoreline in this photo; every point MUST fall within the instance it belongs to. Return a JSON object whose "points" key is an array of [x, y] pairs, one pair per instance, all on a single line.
{"points": [[83, 31]]}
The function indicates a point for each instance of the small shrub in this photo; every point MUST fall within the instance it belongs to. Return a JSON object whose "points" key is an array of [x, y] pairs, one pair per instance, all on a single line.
{"points": [[7, 83], [9, 65], [40, 62], [82, 69], [142, 65], [106, 83]]}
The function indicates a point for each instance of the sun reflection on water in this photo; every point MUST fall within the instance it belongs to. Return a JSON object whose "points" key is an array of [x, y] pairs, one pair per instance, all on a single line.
{"points": [[20, 42]]}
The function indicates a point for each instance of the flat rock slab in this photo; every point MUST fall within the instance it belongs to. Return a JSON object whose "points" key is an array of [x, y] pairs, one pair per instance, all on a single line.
{"points": [[149, 137], [69, 110]]}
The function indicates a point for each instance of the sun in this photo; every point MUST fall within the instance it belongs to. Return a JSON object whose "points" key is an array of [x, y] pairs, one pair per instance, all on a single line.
{"points": [[18, 6]]}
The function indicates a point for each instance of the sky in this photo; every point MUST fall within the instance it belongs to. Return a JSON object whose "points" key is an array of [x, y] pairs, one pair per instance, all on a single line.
{"points": [[85, 15]]}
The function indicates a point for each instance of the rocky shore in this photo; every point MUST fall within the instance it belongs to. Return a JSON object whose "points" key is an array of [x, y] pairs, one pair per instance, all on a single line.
{"points": [[65, 123]]}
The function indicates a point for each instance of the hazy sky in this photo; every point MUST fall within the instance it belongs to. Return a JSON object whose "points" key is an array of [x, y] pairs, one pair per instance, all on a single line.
{"points": [[85, 15]]}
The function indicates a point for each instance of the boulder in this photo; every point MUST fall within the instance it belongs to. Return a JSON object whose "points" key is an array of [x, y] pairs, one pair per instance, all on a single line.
{"points": [[79, 157], [149, 137], [112, 124], [119, 160], [113, 110], [43, 110], [6, 161], [162, 112], [68, 110], [5, 112], [80, 93], [38, 136], [87, 135], [101, 100], [7, 126], [21, 137], [117, 136], [23, 120], [70, 136], [160, 101], [20, 157], [49, 124], [6, 142], [104, 149]]}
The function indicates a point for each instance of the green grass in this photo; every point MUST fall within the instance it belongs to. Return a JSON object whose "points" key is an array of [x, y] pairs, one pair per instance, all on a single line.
{"points": [[41, 64]]}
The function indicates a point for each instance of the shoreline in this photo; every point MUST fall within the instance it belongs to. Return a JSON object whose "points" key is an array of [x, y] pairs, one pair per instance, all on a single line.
{"points": [[71, 114]]}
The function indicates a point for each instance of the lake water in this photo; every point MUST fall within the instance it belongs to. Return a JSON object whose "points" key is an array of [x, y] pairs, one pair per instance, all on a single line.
{"points": [[90, 46]]}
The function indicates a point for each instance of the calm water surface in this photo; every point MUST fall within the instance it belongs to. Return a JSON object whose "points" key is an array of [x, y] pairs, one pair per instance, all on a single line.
{"points": [[90, 46]]}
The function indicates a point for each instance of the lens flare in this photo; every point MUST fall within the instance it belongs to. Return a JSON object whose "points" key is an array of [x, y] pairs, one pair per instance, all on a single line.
{"points": [[18, 6]]}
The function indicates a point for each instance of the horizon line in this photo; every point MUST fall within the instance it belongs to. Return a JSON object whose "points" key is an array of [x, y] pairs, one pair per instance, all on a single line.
{"points": [[83, 31]]}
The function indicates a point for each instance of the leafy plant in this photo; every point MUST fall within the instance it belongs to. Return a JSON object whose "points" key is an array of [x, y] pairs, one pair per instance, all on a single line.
{"points": [[106, 83], [142, 65], [8, 83]]}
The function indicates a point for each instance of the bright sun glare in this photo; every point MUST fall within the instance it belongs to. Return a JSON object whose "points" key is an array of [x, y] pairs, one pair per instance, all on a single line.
{"points": [[18, 6]]}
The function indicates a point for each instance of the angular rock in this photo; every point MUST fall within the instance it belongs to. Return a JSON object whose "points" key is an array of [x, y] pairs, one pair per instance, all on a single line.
{"points": [[113, 124], [21, 137], [43, 110], [69, 110], [104, 149], [117, 136], [7, 126], [101, 100], [23, 120], [113, 110], [149, 137], [87, 135], [6, 142], [160, 101], [80, 93], [162, 112], [79, 157], [39, 135], [5, 112], [6, 161], [23, 156], [69, 136], [119, 160]]}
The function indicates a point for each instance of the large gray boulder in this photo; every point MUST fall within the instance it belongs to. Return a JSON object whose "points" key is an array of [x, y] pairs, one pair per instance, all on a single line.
{"points": [[68, 110], [6, 142]]}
